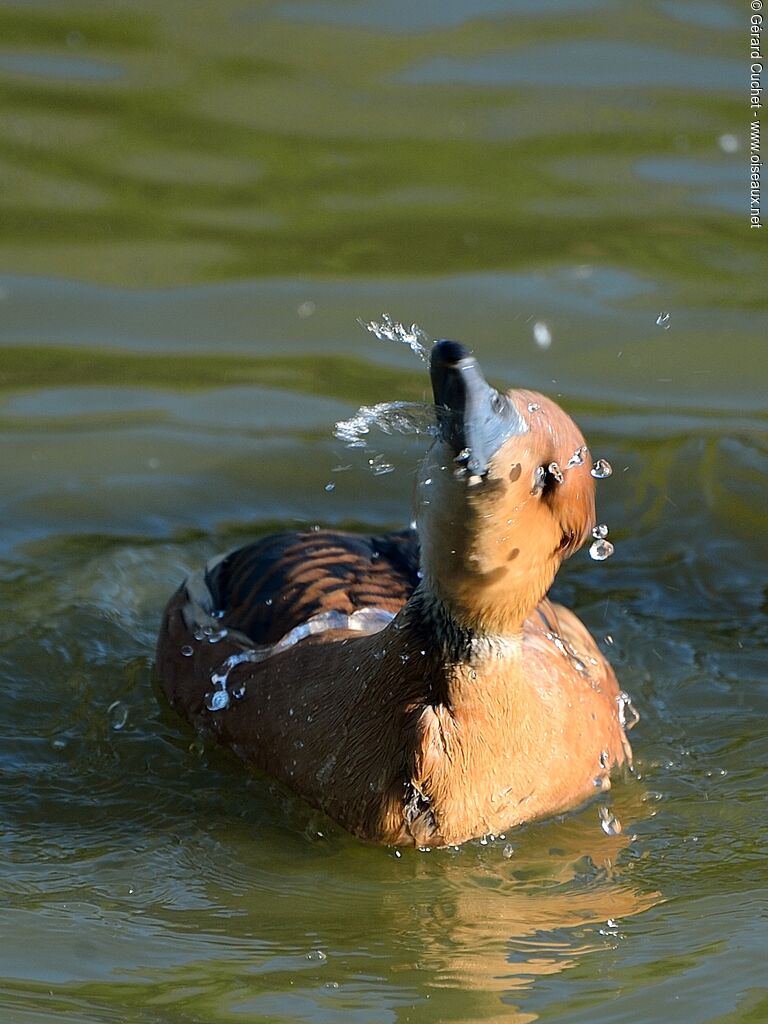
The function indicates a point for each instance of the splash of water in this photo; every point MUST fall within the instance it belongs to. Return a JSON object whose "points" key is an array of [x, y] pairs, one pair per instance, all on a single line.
{"points": [[389, 418], [364, 620], [388, 329]]}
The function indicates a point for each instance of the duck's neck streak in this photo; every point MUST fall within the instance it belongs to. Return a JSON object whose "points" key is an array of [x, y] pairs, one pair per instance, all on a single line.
{"points": [[453, 642]]}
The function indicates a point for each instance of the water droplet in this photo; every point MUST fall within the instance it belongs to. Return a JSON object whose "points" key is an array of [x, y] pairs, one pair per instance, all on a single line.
{"points": [[330, 487], [555, 472], [316, 954], [197, 632], [218, 614], [609, 639], [577, 459], [602, 782], [600, 532], [428, 481], [217, 700], [331, 984], [216, 636], [238, 692], [118, 715], [306, 309], [59, 743], [508, 850], [604, 759], [542, 335], [463, 455], [388, 329], [609, 823], [533, 407], [601, 469], [611, 923], [728, 143], [268, 602], [629, 716], [187, 651], [662, 320], [398, 854], [601, 549]]}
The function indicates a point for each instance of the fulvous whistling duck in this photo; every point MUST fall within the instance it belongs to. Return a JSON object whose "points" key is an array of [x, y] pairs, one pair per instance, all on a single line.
{"points": [[418, 687]]}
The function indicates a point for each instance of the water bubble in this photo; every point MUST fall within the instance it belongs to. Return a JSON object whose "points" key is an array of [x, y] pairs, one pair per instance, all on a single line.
{"points": [[600, 532], [218, 700], [306, 309], [508, 850], [601, 549], [388, 329], [533, 407], [316, 954], [330, 486], [662, 320], [187, 651], [331, 984], [555, 472], [118, 715], [609, 823], [542, 335], [601, 469]]}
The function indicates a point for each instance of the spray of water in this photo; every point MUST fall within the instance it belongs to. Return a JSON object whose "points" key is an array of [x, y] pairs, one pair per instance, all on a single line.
{"points": [[388, 329]]}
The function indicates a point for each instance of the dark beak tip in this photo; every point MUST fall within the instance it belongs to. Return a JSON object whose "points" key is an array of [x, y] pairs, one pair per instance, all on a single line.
{"points": [[448, 353]]}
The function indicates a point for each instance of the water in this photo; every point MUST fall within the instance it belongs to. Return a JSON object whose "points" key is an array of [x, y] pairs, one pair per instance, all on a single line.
{"points": [[388, 329], [198, 204]]}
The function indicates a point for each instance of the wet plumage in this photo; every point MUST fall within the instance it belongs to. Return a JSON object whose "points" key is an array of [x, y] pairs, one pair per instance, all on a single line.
{"points": [[481, 704]]}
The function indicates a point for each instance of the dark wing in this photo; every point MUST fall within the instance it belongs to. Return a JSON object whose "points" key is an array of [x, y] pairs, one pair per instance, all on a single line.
{"points": [[267, 588]]}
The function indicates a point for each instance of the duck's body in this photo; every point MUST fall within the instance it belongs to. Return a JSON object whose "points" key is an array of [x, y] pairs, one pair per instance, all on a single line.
{"points": [[480, 705]]}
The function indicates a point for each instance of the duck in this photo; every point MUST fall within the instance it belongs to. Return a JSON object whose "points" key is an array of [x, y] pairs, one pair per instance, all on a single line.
{"points": [[419, 687]]}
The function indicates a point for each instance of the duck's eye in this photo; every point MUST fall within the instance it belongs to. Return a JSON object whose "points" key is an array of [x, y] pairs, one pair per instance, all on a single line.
{"points": [[539, 479], [546, 479]]}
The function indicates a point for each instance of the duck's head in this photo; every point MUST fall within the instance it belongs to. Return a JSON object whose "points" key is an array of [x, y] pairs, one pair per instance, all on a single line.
{"points": [[503, 496]]}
